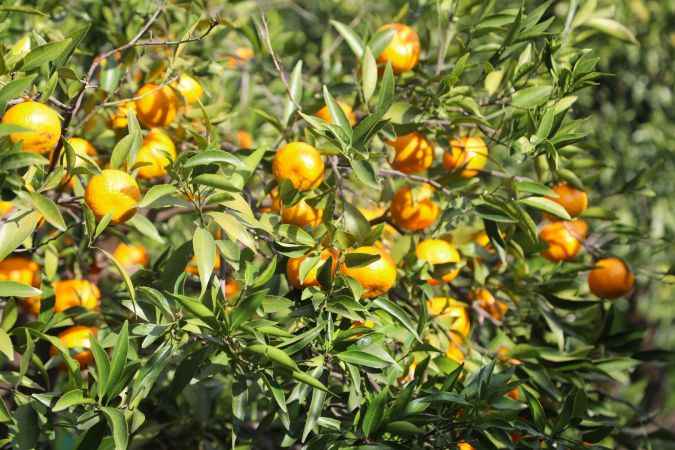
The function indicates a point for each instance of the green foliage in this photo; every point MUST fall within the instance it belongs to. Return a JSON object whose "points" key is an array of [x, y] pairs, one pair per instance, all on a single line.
{"points": [[182, 358]]}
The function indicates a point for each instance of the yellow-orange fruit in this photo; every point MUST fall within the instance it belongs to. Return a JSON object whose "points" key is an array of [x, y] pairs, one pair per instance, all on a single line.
{"points": [[156, 105], [5, 208], [119, 118], [468, 154], [413, 153], [452, 311], [497, 309], [324, 113], [301, 214], [70, 293], [189, 88], [414, 210], [403, 51], [293, 269], [240, 56], [561, 241], [454, 352], [244, 139], [438, 251], [25, 271], [465, 446], [299, 163], [42, 121], [575, 201], [79, 337], [158, 151], [232, 288], [611, 278], [131, 255], [377, 277], [113, 192]]}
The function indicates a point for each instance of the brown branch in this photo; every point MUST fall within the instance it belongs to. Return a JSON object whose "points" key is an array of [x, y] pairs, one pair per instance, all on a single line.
{"points": [[418, 178], [212, 24]]}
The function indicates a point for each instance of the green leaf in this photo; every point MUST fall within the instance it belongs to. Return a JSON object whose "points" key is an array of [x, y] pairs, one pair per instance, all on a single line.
{"points": [[337, 115], [374, 413], [533, 187], [546, 124], [365, 173], [360, 259], [350, 36], [14, 289], [380, 40], [129, 144], [14, 89], [22, 9], [234, 229], [309, 380], [73, 397], [214, 157], [49, 210], [218, 181], [118, 358], [195, 307], [493, 80], [398, 313], [144, 226], [368, 74], [355, 223], [362, 359], [118, 425], [386, 95], [547, 205], [612, 28], [205, 253], [14, 232], [44, 54], [273, 354], [123, 274], [6, 346], [295, 87], [102, 363], [531, 96], [155, 193], [314, 413]]}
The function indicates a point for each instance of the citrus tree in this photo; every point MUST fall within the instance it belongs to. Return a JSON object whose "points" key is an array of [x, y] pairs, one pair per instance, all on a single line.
{"points": [[315, 225]]}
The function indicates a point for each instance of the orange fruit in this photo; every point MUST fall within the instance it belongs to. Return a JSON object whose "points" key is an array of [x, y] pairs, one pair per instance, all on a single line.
{"points": [[42, 121], [377, 277], [115, 192], [611, 278], [69, 293], [452, 312], [575, 201], [438, 251], [156, 106], [244, 139], [514, 394], [239, 57], [131, 256], [481, 238], [119, 118], [561, 238], [465, 446], [194, 270], [5, 208], [159, 151], [324, 113], [414, 210], [487, 302], [403, 51], [232, 288], [301, 214], [299, 163], [189, 88], [293, 269], [455, 353], [25, 271], [78, 337], [468, 154], [414, 153]]}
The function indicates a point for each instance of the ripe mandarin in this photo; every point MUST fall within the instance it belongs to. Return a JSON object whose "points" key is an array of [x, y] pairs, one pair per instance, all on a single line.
{"points": [[575, 201], [324, 113], [414, 210], [611, 278], [189, 88], [436, 252], [156, 105], [561, 241], [114, 192], [299, 163], [78, 337], [293, 269], [413, 153], [157, 151], [377, 277], [42, 121], [403, 51], [468, 154], [131, 255]]}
